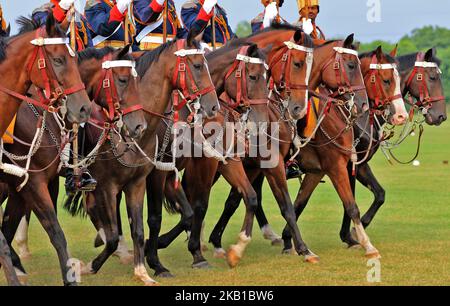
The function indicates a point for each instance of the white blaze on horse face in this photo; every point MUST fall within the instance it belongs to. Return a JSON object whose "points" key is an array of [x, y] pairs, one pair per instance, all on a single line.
{"points": [[401, 115]]}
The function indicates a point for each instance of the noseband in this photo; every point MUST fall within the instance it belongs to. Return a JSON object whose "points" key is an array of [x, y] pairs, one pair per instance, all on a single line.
{"points": [[52, 91], [113, 100], [425, 100], [239, 68], [381, 98]]}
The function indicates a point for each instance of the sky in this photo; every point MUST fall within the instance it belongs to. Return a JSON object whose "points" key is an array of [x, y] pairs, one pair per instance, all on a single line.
{"points": [[337, 18]]}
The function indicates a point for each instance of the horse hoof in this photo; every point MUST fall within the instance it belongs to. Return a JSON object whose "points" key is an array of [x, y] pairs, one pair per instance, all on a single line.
{"points": [[126, 259], [22, 277], [277, 242], [151, 284], [233, 258], [312, 259], [147, 281], [373, 255], [86, 269], [220, 253], [201, 265], [164, 274]]}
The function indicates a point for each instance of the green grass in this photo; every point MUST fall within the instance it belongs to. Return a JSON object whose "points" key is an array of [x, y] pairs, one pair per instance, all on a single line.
{"points": [[411, 231]]}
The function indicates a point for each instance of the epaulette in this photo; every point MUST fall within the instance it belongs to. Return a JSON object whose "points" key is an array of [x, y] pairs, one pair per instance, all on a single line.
{"points": [[91, 3], [43, 9], [258, 19], [190, 4]]}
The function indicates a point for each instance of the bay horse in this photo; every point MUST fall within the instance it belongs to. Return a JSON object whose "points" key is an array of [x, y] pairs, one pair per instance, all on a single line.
{"points": [[179, 68], [239, 75], [98, 68], [325, 70], [421, 80], [39, 57]]}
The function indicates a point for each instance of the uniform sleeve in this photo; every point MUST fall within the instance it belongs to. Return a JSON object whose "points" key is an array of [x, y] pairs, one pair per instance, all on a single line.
{"points": [[196, 18], [102, 22], [256, 26], [40, 17], [147, 11]]}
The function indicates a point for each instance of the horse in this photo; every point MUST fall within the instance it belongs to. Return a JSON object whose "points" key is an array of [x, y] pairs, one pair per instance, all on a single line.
{"points": [[420, 79], [112, 84], [38, 57], [333, 121], [179, 68]]}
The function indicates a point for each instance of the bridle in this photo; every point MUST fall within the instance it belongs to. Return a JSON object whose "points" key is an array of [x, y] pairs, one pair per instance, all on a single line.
{"points": [[284, 58], [53, 91], [115, 112], [239, 68], [382, 100], [342, 79], [186, 94], [425, 100]]}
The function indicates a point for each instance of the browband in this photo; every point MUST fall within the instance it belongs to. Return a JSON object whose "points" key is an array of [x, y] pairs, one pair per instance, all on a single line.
{"points": [[428, 65], [346, 51], [184, 52], [291, 45], [383, 66], [121, 64], [251, 60]]}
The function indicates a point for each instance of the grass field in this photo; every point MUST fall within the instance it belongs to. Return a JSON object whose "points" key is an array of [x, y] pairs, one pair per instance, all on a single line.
{"points": [[412, 232]]}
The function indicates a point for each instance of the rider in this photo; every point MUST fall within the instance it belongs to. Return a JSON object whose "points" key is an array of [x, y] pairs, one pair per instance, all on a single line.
{"points": [[107, 20], [4, 28], [60, 9], [149, 16], [308, 10], [198, 14], [269, 15]]}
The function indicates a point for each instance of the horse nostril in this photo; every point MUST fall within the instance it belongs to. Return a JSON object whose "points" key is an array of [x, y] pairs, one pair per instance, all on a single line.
{"points": [[215, 108], [85, 112], [442, 118]]}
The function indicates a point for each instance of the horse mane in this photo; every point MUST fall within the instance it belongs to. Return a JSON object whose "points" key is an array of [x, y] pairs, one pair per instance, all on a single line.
{"points": [[390, 58], [3, 45], [276, 27], [408, 60], [144, 62], [93, 53]]}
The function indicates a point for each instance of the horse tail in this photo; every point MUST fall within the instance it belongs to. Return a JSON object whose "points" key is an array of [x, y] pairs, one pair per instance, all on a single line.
{"points": [[171, 207], [74, 204]]}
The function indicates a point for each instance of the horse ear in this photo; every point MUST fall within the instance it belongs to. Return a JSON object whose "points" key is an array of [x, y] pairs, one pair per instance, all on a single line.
{"points": [[379, 53], [393, 53], [50, 25], [8, 30], [252, 50], [349, 41], [194, 35], [298, 36], [430, 54], [124, 51]]}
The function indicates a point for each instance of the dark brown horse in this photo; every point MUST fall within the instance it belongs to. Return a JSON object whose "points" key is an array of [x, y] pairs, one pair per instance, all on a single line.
{"points": [[177, 67], [44, 168], [45, 63]]}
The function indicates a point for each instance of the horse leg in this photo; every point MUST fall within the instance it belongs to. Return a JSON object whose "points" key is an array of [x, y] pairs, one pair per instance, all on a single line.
{"points": [[179, 197], [21, 237], [15, 209], [6, 263], [44, 210], [134, 193], [307, 187], [345, 233], [276, 178], [340, 178], [123, 252], [155, 183], [366, 177]]}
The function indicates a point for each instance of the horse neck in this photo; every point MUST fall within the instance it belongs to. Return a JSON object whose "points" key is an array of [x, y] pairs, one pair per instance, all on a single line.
{"points": [[18, 54], [321, 56], [90, 72], [405, 71], [218, 70]]}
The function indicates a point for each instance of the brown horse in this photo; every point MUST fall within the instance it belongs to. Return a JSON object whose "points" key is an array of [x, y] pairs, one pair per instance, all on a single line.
{"points": [[424, 84], [325, 70], [45, 162], [45, 63], [177, 67]]}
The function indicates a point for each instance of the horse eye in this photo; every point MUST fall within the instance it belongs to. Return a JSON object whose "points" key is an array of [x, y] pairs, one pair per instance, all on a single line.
{"points": [[198, 66], [433, 77], [351, 65], [253, 77], [58, 61], [298, 65], [387, 82], [123, 80]]}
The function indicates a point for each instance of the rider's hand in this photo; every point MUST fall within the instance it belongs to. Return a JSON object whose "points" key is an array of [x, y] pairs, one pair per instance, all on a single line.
{"points": [[122, 5], [161, 2], [209, 5], [307, 26], [270, 15], [66, 4]]}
